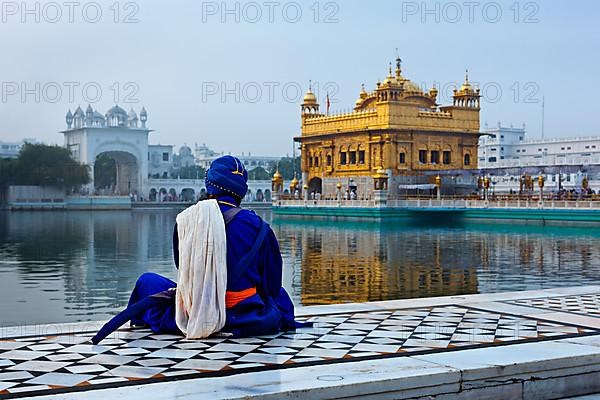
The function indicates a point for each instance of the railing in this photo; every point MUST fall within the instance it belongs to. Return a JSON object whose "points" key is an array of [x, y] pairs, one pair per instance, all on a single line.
{"points": [[491, 204], [325, 203], [446, 203]]}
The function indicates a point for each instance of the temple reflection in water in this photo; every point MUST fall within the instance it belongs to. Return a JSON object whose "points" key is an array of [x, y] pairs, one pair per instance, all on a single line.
{"points": [[368, 263]]}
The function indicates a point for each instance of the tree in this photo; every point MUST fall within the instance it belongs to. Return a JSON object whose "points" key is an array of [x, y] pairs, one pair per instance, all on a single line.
{"points": [[190, 172], [43, 165], [259, 174], [105, 171], [287, 166], [8, 169]]}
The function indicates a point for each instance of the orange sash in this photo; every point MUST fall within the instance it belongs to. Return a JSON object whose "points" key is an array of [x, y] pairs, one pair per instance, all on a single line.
{"points": [[233, 298]]}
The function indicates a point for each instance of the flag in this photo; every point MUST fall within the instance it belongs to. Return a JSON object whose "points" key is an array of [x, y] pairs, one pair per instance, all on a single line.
{"points": [[328, 103]]}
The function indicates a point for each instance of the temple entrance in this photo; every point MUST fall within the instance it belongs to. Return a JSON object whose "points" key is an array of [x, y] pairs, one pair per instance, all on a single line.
{"points": [[116, 173], [315, 185]]}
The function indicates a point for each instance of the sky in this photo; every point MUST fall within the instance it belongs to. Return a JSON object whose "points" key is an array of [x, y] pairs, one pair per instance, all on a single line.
{"points": [[233, 74]]}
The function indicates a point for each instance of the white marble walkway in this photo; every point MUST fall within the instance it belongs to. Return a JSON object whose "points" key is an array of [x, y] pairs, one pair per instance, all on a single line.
{"points": [[535, 344]]}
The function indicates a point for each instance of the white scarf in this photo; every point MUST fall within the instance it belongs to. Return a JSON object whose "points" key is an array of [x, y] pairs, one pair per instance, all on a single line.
{"points": [[202, 275]]}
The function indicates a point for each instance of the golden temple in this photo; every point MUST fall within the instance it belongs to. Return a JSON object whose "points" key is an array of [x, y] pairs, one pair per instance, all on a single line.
{"points": [[398, 128]]}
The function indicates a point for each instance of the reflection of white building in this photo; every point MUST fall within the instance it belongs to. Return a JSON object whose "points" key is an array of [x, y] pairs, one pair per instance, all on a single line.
{"points": [[205, 156], [508, 147], [12, 149]]}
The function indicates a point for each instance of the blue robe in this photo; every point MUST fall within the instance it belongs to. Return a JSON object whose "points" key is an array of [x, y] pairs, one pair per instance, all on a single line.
{"points": [[270, 310]]}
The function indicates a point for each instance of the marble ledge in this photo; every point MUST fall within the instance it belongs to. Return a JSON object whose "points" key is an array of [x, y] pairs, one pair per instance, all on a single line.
{"points": [[492, 370]]}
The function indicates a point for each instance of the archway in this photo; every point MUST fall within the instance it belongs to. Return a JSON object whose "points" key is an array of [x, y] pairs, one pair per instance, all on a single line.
{"points": [[203, 194], [315, 185], [188, 195], [162, 194], [152, 195], [267, 195], [116, 173], [259, 195], [173, 195]]}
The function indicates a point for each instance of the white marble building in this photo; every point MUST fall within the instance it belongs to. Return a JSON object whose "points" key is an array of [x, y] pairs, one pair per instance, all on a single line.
{"points": [[205, 156], [185, 157], [12, 149], [503, 147], [505, 154], [144, 169], [121, 135], [160, 160]]}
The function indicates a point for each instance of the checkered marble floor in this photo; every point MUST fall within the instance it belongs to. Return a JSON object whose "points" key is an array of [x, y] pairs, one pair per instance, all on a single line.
{"points": [[53, 364], [588, 304]]}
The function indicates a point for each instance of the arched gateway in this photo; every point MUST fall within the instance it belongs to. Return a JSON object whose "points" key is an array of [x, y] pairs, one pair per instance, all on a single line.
{"points": [[96, 139]]}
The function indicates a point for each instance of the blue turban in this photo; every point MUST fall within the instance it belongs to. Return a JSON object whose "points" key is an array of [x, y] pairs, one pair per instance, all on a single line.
{"points": [[227, 176]]}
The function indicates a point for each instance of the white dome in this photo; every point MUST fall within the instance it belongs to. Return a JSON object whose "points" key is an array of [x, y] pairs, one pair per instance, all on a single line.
{"points": [[132, 115], [185, 151], [116, 111]]}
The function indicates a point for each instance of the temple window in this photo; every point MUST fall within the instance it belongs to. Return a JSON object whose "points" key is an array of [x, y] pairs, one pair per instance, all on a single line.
{"points": [[435, 157], [402, 158], [361, 156], [316, 161], [310, 161], [329, 160], [467, 159], [423, 156], [447, 157], [343, 156], [352, 157]]}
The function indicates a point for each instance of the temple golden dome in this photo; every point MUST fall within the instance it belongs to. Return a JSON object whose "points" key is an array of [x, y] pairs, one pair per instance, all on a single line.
{"points": [[309, 97], [466, 87], [277, 177], [412, 87], [362, 96], [363, 93]]}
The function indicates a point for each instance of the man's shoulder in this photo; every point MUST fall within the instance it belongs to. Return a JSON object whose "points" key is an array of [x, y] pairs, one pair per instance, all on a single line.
{"points": [[244, 227], [249, 216]]}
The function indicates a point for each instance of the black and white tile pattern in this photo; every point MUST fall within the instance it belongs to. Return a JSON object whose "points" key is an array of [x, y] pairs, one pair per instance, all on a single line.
{"points": [[53, 364], [588, 304]]}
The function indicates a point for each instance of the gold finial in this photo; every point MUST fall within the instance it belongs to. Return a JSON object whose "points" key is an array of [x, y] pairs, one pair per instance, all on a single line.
{"points": [[466, 76], [310, 84], [390, 69], [398, 65]]}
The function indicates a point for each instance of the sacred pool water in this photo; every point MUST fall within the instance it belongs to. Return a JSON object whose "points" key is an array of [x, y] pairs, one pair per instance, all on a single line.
{"points": [[72, 266]]}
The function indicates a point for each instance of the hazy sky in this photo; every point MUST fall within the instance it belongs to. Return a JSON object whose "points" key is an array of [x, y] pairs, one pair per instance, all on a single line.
{"points": [[228, 74]]}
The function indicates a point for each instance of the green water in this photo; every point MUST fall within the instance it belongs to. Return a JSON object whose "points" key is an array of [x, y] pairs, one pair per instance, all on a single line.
{"points": [[72, 266]]}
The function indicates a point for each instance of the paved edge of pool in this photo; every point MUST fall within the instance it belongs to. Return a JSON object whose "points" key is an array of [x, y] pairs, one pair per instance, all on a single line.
{"points": [[535, 370]]}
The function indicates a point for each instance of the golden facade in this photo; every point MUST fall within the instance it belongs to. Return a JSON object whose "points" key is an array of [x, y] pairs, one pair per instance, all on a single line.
{"points": [[397, 127]]}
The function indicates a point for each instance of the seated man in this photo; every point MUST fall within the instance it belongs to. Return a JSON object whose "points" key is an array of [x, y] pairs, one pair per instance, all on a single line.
{"points": [[256, 303]]}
